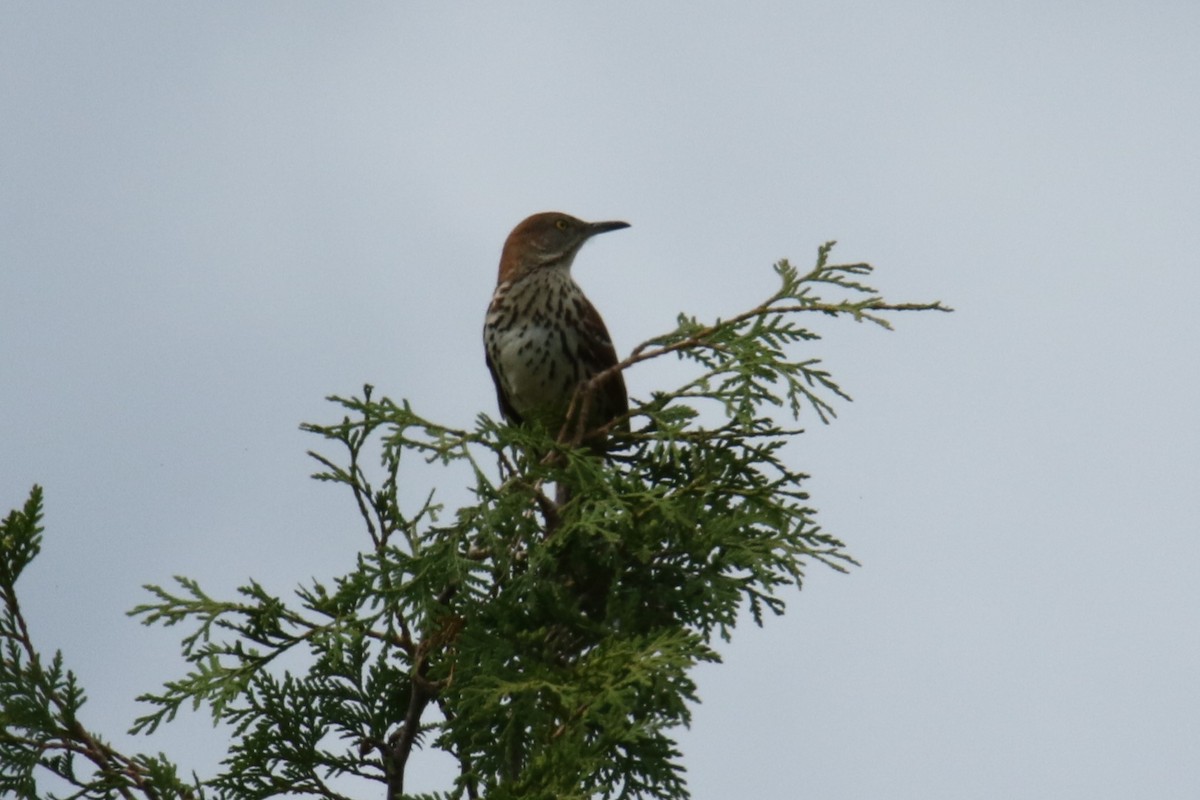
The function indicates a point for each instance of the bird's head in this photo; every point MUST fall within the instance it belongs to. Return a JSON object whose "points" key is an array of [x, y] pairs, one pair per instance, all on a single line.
{"points": [[549, 239]]}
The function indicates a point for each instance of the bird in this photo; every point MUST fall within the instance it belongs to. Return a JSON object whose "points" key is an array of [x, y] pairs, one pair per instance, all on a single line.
{"points": [[543, 338]]}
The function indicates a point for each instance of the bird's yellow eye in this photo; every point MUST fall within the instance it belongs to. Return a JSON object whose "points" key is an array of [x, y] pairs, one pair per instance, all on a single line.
{"points": [[561, 224]]}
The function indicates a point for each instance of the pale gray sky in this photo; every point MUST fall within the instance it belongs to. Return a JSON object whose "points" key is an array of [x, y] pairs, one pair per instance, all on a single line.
{"points": [[216, 214]]}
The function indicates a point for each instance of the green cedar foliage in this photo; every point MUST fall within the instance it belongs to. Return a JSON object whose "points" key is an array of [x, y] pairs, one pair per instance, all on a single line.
{"points": [[544, 639], [40, 729]]}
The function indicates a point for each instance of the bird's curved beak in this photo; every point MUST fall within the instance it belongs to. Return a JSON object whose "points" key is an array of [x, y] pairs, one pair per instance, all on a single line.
{"points": [[594, 228]]}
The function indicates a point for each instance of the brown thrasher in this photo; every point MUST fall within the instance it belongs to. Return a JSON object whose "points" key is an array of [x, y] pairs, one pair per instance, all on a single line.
{"points": [[543, 338]]}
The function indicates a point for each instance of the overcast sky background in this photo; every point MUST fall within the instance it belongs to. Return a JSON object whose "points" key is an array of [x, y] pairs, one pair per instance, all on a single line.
{"points": [[214, 215]]}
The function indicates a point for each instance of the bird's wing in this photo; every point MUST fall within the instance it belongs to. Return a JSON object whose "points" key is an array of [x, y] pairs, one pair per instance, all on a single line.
{"points": [[597, 351]]}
